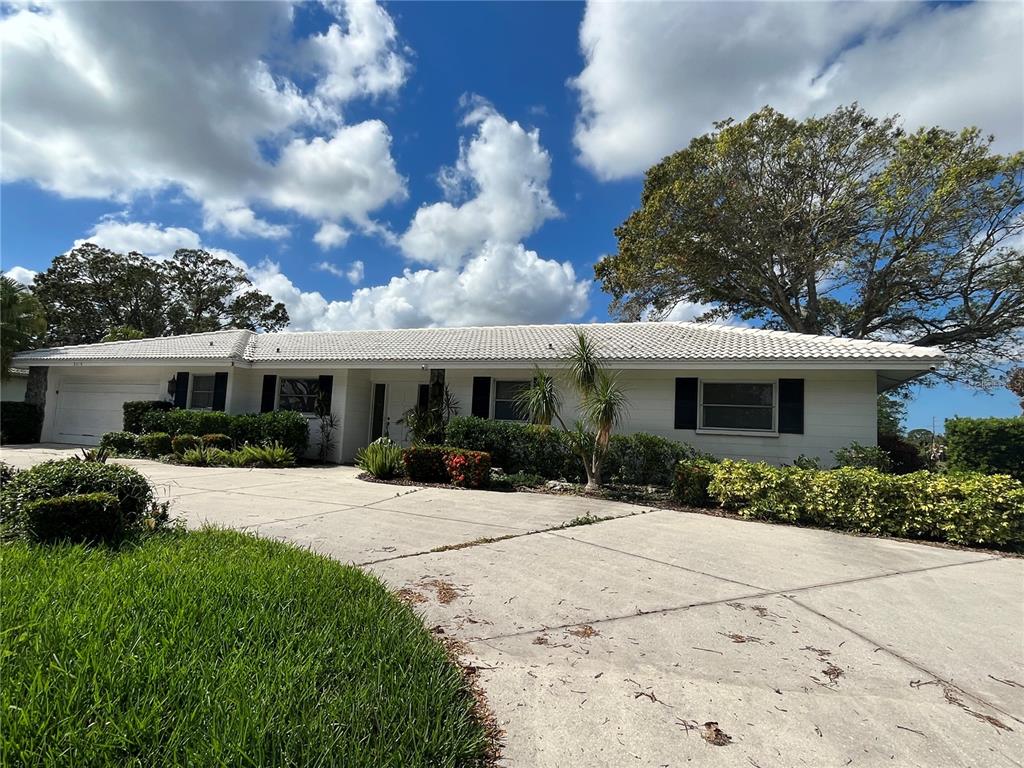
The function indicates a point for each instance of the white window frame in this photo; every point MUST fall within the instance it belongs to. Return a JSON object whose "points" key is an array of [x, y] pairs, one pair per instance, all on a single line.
{"points": [[773, 432], [193, 378], [280, 384], [494, 398]]}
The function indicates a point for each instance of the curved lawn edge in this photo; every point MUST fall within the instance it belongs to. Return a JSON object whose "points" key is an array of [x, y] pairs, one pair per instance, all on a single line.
{"points": [[216, 647]]}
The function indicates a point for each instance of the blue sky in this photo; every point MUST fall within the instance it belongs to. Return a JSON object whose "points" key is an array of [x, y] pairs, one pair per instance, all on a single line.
{"points": [[307, 142]]}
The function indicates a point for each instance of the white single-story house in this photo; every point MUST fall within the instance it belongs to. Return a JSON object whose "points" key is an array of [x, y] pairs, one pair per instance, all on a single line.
{"points": [[731, 391]]}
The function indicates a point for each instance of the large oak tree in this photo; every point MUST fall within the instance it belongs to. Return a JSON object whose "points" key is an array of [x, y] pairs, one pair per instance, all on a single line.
{"points": [[91, 293], [842, 225]]}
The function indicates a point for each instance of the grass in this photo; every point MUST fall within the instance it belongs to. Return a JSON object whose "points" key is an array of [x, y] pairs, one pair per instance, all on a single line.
{"points": [[216, 648]]}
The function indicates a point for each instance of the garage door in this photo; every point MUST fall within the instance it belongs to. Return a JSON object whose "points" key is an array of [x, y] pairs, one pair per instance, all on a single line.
{"points": [[85, 410]]}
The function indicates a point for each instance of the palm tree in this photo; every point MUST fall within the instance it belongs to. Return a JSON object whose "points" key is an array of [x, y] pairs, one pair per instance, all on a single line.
{"points": [[21, 320], [602, 402]]}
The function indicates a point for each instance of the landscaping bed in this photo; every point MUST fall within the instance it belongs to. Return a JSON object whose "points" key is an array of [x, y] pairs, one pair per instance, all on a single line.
{"points": [[217, 648]]}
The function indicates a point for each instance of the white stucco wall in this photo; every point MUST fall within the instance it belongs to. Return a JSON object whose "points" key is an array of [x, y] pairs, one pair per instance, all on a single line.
{"points": [[839, 408]]}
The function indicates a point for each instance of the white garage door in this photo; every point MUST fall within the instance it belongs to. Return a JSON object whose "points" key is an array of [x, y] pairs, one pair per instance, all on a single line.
{"points": [[87, 409]]}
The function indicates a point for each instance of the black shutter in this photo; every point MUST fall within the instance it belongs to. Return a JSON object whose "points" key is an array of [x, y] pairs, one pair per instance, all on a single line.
{"points": [[423, 397], [686, 403], [220, 391], [181, 389], [791, 406], [326, 386], [269, 393], [481, 396]]}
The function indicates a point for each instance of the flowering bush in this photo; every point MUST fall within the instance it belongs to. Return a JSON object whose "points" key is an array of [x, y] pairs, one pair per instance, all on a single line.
{"points": [[469, 469]]}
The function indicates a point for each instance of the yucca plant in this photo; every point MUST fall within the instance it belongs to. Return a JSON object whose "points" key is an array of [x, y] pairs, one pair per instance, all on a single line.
{"points": [[382, 458], [602, 402], [203, 456]]}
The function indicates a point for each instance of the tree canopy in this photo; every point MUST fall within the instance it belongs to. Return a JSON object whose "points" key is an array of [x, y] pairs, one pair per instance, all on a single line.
{"points": [[91, 293], [22, 321], [840, 225]]}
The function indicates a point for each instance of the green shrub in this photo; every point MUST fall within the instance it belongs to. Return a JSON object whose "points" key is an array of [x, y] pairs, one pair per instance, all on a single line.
{"points": [[516, 447], [20, 422], [82, 518], [217, 441], [860, 456], [382, 459], [71, 477], [968, 508], [203, 456], [182, 443], [6, 472], [180, 421], [121, 443], [524, 480], [690, 482], [246, 429], [903, 455], [468, 469], [288, 428], [134, 410], [986, 445], [643, 459], [425, 463], [273, 455], [155, 444]]}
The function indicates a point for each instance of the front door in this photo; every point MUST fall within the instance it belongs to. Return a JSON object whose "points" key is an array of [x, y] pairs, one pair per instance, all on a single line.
{"points": [[391, 400]]}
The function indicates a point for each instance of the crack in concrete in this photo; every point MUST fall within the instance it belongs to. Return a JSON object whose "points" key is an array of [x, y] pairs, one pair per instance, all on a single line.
{"points": [[896, 655], [734, 598]]}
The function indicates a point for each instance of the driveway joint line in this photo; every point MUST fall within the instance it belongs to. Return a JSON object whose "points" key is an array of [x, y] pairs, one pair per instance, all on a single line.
{"points": [[753, 596], [895, 654]]}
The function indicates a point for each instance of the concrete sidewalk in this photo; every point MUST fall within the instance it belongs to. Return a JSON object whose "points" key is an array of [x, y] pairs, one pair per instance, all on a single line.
{"points": [[616, 643]]}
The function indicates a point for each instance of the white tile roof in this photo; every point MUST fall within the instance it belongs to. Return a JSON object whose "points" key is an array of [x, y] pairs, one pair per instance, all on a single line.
{"points": [[624, 342]]}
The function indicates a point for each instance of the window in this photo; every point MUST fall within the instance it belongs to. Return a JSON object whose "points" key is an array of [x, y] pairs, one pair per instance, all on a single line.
{"points": [[299, 395], [505, 393], [745, 406], [202, 392]]}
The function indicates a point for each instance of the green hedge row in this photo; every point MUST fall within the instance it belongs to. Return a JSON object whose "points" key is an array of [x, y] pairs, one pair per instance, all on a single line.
{"points": [[962, 508], [447, 464], [637, 459], [288, 428], [986, 445]]}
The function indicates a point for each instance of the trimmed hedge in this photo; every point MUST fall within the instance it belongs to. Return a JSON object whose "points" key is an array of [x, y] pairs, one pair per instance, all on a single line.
{"points": [[223, 442], [986, 445], [182, 443], [123, 443], [81, 518], [288, 428], [690, 482], [426, 463], [181, 421], [20, 422], [965, 508], [643, 459], [468, 469], [72, 477], [155, 444], [516, 447], [134, 410]]}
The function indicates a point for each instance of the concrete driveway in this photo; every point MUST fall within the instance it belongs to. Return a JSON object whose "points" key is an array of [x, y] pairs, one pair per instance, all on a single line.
{"points": [[661, 638]]}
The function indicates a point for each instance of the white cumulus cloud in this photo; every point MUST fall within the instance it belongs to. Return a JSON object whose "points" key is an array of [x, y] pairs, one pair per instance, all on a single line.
{"points": [[658, 74], [114, 100], [504, 170], [21, 275], [330, 235]]}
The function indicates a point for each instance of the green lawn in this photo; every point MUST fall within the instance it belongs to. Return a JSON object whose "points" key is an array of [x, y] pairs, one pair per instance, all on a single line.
{"points": [[216, 648]]}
